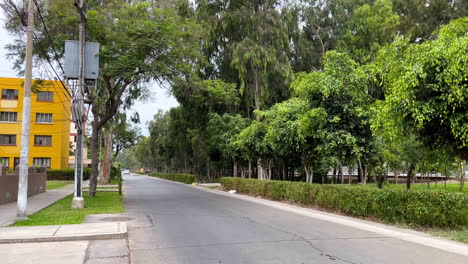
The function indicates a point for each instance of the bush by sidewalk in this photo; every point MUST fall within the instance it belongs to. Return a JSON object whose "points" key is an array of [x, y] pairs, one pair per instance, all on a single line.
{"points": [[414, 207], [66, 174], [184, 178]]}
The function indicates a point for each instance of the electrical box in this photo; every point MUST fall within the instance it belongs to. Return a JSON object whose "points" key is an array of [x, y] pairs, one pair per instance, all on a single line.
{"points": [[91, 65]]}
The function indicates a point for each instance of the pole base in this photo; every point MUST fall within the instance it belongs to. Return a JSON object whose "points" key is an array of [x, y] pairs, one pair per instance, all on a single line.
{"points": [[78, 203]]}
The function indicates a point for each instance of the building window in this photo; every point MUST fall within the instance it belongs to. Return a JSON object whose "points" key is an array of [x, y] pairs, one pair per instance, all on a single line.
{"points": [[16, 162], [44, 96], [10, 94], [8, 116], [42, 162], [8, 140], [5, 162], [42, 140], [43, 118]]}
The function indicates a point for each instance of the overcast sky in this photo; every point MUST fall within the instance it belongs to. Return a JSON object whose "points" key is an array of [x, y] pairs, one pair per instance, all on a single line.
{"points": [[159, 99]]}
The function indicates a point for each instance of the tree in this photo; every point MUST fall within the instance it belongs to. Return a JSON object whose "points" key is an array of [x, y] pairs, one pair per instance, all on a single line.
{"points": [[222, 131], [338, 96], [428, 90], [371, 27], [138, 42], [285, 123]]}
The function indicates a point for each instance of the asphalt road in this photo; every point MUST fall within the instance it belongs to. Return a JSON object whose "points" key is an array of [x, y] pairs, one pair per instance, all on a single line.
{"points": [[179, 224]]}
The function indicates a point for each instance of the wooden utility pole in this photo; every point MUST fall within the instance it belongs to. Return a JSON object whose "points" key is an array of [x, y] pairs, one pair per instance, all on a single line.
{"points": [[78, 201], [26, 125]]}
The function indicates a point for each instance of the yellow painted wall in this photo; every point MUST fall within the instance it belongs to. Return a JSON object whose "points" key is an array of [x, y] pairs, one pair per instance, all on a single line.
{"points": [[59, 129]]}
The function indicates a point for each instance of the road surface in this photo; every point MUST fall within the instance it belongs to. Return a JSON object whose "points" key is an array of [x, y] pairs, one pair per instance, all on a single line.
{"points": [[180, 224]]}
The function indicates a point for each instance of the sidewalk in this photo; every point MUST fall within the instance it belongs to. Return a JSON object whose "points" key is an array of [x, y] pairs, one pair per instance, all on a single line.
{"points": [[113, 251], [53, 233], [35, 203]]}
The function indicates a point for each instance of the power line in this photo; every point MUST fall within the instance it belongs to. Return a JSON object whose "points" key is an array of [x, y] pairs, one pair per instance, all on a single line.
{"points": [[58, 94], [41, 48], [48, 35]]}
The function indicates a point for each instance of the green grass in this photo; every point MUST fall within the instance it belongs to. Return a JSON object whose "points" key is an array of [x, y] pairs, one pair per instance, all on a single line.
{"points": [[61, 213], [50, 185], [451, 187], [100, 188], [460, 234]]}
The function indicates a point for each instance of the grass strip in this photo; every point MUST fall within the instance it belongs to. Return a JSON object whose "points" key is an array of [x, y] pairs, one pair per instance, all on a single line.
{"points": [[50, 185], [61, 213]]}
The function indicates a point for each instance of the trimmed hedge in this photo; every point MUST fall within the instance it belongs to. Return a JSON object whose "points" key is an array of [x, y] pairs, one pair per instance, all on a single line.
{"points": [[184, 178], [66, 174], [414, 207]]}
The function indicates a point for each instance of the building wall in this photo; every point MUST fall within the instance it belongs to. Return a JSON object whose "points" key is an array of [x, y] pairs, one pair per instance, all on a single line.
{"points": [[59, 129]]}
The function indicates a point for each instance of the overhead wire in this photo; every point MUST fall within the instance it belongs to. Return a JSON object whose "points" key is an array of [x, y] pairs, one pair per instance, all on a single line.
{"points": [[46, 56], [35, 39], [48, 35]]}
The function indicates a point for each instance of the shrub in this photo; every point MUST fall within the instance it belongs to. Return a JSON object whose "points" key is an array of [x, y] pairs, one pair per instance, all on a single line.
{"points": [[66, 174], [184, 178], [414, 207]]}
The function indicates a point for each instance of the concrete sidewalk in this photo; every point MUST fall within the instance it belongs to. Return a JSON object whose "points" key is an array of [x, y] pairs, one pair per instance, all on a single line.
{"points": [[52, 233], [113, 251], [35, 204]]}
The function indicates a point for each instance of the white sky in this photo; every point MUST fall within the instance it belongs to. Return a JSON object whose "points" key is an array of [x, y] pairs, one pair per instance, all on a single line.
{"points": [[160, 97]]}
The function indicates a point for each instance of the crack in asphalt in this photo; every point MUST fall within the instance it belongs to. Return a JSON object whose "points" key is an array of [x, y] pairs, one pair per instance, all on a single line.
{"points": [[308, 242]]}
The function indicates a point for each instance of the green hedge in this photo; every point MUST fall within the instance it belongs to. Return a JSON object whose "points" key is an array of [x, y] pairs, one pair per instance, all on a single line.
{"points": [[414, 207], [66, 174], [184, 178]]}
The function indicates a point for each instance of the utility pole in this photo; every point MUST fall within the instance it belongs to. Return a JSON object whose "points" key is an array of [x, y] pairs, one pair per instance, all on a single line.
{"points": [[78, 201], [26, 125]]}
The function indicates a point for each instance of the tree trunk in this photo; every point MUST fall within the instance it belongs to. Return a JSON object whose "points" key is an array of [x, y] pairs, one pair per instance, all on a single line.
{"points": [[361, 172], [250, 169], [445, 177], [396, 176], [308, 169], [269, 170], [350, 171], [409, 175], [341, 175], [462, 177], [94, 158], [234, 174], [106, 166], [257, 92], [259, 169]]}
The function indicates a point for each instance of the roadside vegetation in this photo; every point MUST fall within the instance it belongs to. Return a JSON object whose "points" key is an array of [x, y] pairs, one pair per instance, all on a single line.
{"points": [[371, 89], [184, 178], [60, 213], [50, 185]]}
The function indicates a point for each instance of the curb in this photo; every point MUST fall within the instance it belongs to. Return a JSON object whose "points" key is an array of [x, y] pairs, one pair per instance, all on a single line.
{"points": [[386, 230], [122, 233]]}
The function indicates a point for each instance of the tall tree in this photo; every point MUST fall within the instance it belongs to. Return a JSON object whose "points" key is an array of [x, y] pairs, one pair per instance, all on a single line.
{"points": [[138, 41]]}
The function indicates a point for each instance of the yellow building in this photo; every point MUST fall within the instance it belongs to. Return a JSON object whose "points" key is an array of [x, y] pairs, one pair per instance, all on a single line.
{"points": [[50, 123]]}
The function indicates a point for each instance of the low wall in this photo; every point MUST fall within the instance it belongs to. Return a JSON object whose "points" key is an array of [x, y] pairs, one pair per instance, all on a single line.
{"points": [[9, 183]]}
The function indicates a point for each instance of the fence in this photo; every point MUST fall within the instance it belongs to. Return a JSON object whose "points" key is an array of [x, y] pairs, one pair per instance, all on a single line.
{"points": [[9, 183]]}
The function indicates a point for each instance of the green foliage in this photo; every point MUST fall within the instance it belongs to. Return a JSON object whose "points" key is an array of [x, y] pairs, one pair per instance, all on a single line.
{"points": [[416, 207], [184, 178], [427, 88], [370, 28], [66, 174], [116, 176], [50, 185]]}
